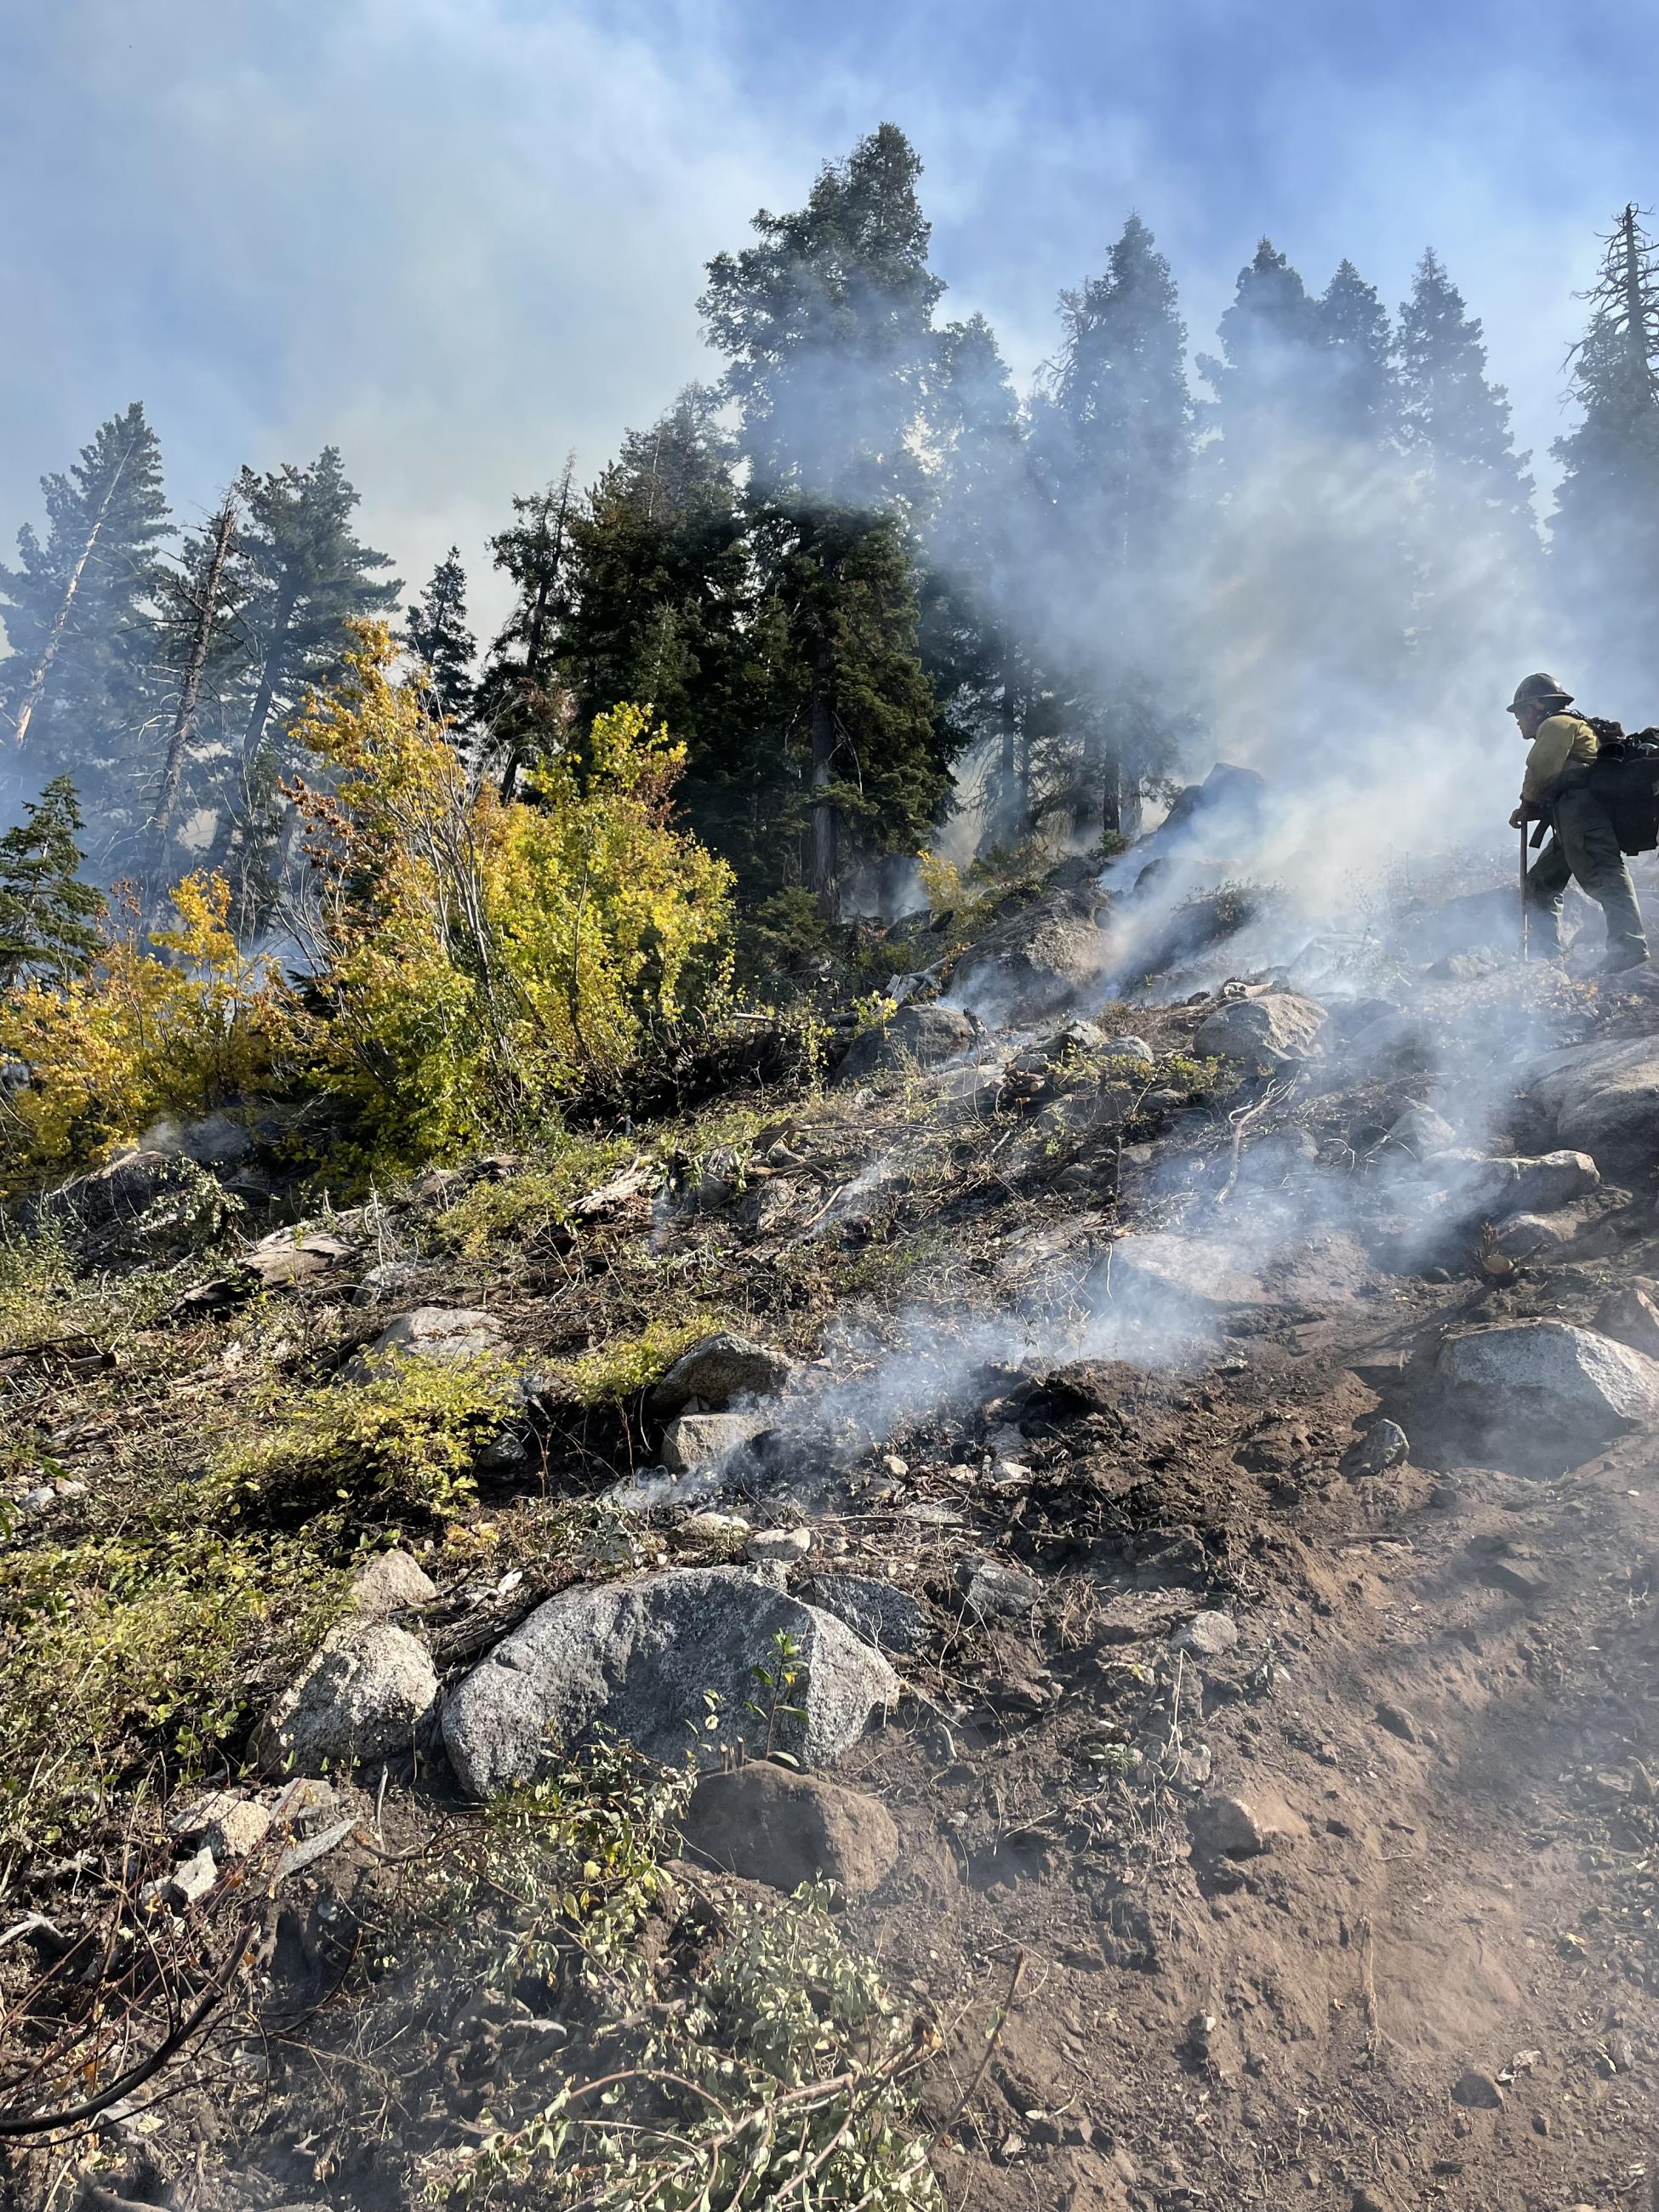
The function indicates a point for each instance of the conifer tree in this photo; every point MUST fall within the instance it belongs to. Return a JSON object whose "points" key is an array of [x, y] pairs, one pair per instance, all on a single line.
{"points": [[827, 324], [1361, 402], [979, 541], [435, 632], [1262, 377], [1475, 549], [48, 916], [76, 689], [1114, 439], [1605, 533], [308, 576], [659, 585], [521, 706]]}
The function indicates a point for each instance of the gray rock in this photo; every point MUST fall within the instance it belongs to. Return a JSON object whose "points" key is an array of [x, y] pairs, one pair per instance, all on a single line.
{"points": [[190, 1880], [916, 1036], [1475, 1186], [1631, 1317], [361, 1696], [780, 1546], [276, 1262], [1276, 1030], [1384, 1444], [1542, 1376], [1421, 1132], [1035, 959], [1206, 1635], [1524, 1235], [1603, 1098], [1130, 1048], [453, 1333], [1398, 1722], [769, 1824], [388, 1583], [882, 1615], [717, 1372], [636, 1656], [238, 1829], [696, 1439], [996, 1590]]}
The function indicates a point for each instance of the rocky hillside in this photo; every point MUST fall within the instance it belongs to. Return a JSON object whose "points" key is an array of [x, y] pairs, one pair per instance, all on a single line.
{"points": [[1046, 1600]]}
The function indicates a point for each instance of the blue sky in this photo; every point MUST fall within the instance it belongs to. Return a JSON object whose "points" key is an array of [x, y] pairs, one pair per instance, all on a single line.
{"points": [[459, 237]]}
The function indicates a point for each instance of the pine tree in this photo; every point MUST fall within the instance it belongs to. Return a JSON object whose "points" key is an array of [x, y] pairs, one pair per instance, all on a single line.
{"points": [[435, 632], [660, 584], [521, 705], [1115, 439], [978, 543], [1475, 544], [48, 916], [76, 689], [1361, 401], [308, 574], [1310, 579], [827, 323], [1605, 533]]}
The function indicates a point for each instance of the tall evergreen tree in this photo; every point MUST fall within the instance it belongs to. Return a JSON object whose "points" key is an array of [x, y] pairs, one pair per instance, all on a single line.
{"points": [[1310, 606], [308, 573], [521, 705], [661, 582], [1361, 401], [79, 610], [1475, 549], [1605, 533], [47, 914], [435, 631], [1115, 439], [827, 324], [979, 540]]}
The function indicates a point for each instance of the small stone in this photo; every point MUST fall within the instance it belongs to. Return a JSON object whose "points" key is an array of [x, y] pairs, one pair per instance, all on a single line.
{"points": [[897, 1467], [783, 1546], [695, 1439], [1477, 2092], [1422, 1132], [361, 1696], [1522, 1578], [716, 1372], [771, 1825], [453, 1334], [1237, 1828], [240, 1829], [1631, 1317], [1130, 1048], [715, 1527], [388, 1583], [1398, 1722], [1523, 1235], [191, 1880], [1207, 1635], [1385, 1444], [997, 1589], [303, 1803]]}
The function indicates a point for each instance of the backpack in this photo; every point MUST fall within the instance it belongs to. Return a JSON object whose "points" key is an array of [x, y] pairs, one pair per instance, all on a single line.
{"points": [[1624, 777]]}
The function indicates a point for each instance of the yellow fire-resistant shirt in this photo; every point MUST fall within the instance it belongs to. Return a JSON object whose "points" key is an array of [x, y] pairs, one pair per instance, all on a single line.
{"points": [[1563, 737]]}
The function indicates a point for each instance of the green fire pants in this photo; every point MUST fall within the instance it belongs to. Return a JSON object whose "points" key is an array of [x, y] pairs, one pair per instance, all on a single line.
{"points": [[1584, 850]]}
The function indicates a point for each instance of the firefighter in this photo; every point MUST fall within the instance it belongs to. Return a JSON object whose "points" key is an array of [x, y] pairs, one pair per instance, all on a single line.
{"points": [[1557, 788]]}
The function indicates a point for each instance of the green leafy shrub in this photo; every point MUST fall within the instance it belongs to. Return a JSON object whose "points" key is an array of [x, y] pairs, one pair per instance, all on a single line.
{"points": [[611, 1373], [140, 1648], [404, 1438]]}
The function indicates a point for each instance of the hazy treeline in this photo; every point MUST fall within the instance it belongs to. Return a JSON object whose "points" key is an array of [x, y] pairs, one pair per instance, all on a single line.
{"points": [[859, 557]]}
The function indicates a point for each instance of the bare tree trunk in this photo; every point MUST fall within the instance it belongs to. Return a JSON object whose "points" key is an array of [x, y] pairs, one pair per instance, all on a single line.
{"points": [[224, 532], [254, 733], [42, 669]]}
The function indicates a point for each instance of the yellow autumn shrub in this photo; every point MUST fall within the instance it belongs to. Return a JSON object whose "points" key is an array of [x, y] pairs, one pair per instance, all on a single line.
{"points": [[159, 1028], [476, 958]]}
